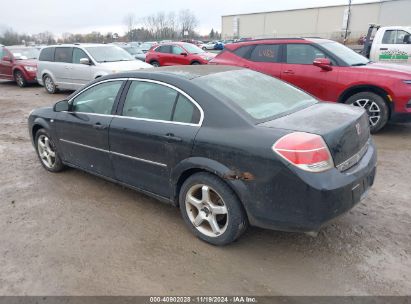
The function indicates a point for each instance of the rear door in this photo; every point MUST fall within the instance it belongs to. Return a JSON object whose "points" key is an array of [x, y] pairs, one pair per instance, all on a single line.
{"points": [[154, 131], [392, 48], [164, 54], [83, 131], [299, 70], [266, 58], [80, 73], [62, 67]]}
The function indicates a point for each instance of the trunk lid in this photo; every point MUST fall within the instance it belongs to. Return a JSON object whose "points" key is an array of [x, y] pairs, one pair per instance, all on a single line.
{"points": [[345, 129]]}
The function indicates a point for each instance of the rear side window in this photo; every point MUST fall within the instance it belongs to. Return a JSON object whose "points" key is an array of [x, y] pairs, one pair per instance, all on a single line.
{"points": [[266, 53], [47, 54], [63, 54], [164, 49], [186, 111], [243, 51]]}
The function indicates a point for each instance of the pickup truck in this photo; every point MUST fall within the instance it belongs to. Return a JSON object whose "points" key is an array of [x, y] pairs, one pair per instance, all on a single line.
{"points": [[390, 44]]}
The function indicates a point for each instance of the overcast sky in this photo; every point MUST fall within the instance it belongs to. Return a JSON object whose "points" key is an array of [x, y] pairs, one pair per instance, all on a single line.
{"points": [[82, 16]]}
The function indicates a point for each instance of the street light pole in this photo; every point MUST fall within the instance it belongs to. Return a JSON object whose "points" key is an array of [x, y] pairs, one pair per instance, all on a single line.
{"points": [[348, 21]]}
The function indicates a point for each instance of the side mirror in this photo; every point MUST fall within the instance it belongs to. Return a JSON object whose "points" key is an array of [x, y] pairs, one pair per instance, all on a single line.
{"points": [[61, 106], [6, 58], [85, 61], [407, 39], [323, 63], [183, 54]]}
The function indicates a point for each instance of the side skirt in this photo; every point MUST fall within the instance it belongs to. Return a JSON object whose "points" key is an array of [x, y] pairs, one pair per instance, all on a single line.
{"points": [[153, 195]]}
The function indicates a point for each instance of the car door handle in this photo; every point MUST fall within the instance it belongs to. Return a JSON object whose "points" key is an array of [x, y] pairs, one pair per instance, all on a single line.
{"points": [[383, 49], [291, 72], [171, 137], [99, 126], [246, 66]]}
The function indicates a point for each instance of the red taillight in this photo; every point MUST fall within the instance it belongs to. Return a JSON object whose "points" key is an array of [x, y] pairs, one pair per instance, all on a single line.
{"points": [[304, 150]]}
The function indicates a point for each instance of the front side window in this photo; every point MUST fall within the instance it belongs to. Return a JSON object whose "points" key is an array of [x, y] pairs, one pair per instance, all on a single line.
{"points": [[79, 54], [158, 102], [63, 54], [394, 37], [177, 50], [266, 53], [303, 54], [260, 96], [98, 99]]}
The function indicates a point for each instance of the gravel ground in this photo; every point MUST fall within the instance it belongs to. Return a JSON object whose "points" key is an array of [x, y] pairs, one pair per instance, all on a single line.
{"points": [[75, 234]]}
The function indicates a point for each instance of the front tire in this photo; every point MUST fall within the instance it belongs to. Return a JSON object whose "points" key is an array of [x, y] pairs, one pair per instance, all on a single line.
{"points": [[20, 80], [47, 152], [211, 209], [49, 84], [376, 107], [155, 64], [195, 63]]}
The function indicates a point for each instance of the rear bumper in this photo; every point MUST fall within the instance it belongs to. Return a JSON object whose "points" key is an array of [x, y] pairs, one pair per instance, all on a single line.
{"points": [[303, 202]]}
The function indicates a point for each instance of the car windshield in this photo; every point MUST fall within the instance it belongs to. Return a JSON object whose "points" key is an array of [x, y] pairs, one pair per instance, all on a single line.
{"points": [[260, 96], [25, 53], [192, 49], [146, 46], [348, 55], [132, 50], [109, 53]]}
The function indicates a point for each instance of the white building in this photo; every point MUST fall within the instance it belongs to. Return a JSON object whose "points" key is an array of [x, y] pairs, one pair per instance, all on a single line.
{"points": [[326, 22]]}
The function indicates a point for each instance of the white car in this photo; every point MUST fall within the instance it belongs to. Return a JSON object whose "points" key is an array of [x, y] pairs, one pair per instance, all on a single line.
{"points": [[208, 45], [71, 66]]}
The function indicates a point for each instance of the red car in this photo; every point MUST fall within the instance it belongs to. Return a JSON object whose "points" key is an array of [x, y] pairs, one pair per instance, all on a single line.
{"points": [[19, 63], [177, 53], [331, 72]]}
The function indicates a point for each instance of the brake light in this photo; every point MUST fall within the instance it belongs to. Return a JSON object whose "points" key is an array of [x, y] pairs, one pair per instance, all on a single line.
{"points": [[306, 151]]}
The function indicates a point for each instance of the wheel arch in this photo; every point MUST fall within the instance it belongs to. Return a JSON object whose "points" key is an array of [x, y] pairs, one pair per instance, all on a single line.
{"points": [[367, 88], [39, 123], [188, 167]]}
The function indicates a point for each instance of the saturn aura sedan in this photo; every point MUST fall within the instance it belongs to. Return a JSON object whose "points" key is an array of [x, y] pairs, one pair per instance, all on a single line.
{"points": [[229, 146]]}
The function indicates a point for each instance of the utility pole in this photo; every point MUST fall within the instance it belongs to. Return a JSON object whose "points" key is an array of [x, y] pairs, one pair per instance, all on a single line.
{"points": [[348, 21]]}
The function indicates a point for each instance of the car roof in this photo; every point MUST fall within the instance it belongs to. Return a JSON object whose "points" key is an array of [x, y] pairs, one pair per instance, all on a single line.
{"points": [[188, 72], [81, 45]]}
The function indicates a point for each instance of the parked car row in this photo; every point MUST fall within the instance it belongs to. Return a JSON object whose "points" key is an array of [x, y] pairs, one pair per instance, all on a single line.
{"points": [[326, 69]]}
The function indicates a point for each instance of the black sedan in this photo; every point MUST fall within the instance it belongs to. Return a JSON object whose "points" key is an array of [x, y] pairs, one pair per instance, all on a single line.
{"points": [[231, 147]]}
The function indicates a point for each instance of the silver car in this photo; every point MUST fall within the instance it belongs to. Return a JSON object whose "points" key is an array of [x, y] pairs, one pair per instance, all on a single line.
{"points": [[71, 66]]}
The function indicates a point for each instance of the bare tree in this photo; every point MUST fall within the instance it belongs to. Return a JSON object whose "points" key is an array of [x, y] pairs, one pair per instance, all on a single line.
{"points": [[130, 21], [188, 22]]}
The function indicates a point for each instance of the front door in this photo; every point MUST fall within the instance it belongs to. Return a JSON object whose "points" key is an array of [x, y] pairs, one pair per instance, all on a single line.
{"points": [[176, 58], [154, 131], [83, 131], [6, 66], [300, 71], [80, 73], [393, 49]]}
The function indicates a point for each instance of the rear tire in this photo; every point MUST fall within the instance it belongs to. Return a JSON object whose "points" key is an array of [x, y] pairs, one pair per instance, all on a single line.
{"points": [[376, 107], [195, 63], [211, 209], [155, 64], [19, 78], [49, 84]]}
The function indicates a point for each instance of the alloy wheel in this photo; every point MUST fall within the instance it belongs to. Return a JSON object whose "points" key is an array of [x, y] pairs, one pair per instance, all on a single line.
{"points": [[48, 82], [19, 79], [206, 210], [46, 151], [372, 108]]}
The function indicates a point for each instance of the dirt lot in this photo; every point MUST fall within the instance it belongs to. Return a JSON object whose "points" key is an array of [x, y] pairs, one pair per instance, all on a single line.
{"points": [[75, 234]]}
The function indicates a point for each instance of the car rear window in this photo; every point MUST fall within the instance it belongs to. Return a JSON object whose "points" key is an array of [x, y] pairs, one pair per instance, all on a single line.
{"points": [[47, 54], [260, 96]]}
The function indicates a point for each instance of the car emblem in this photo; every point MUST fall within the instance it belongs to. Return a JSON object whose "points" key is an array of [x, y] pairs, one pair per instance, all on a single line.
{"points": [[358, 127]]}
